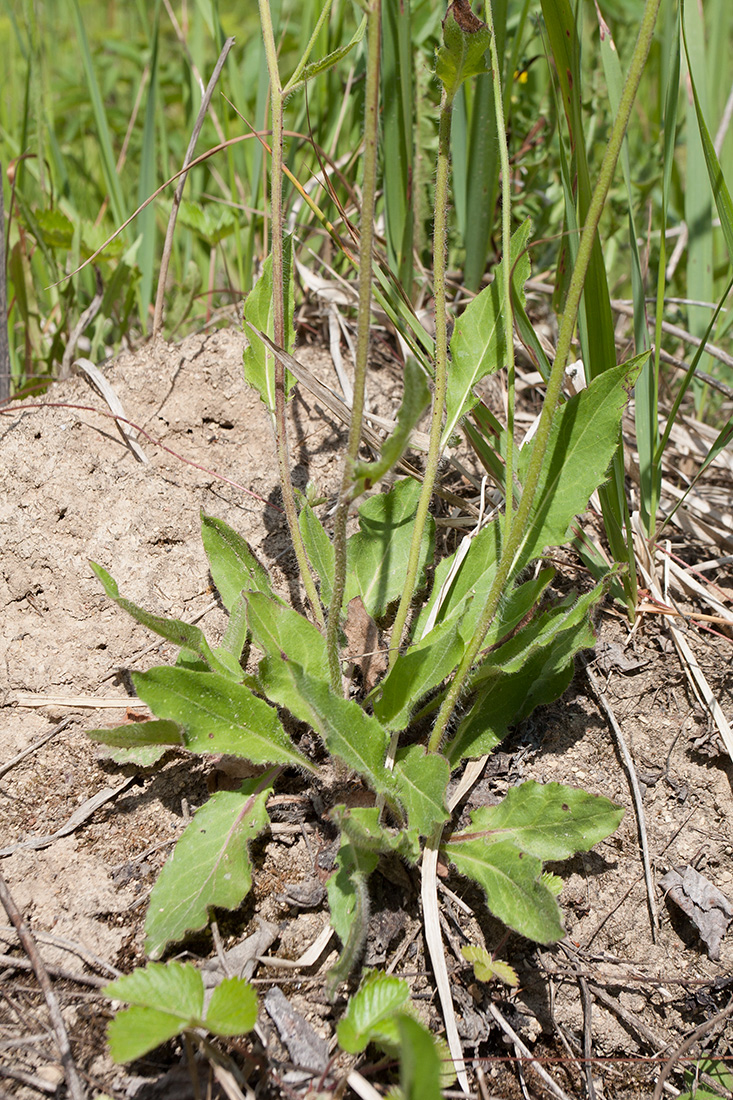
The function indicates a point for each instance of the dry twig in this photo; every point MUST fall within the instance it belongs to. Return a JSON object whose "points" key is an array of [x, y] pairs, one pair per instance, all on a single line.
{"points": [[76, 1089]]}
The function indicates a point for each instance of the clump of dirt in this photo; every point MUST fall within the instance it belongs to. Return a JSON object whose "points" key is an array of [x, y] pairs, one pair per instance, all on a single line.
{"points": [[618, 990]]}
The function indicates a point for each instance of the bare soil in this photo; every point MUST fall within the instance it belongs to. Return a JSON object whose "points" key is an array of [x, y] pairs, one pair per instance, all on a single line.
{"points": [[73, 492]]}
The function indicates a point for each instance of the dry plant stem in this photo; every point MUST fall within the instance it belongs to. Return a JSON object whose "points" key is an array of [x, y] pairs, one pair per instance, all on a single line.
{"points": [[520, 521], [636, 795], [440, 238], [366, 229], [76, 1089], [168, 246], [689, 1042], [278, 302], [536, 1066]]}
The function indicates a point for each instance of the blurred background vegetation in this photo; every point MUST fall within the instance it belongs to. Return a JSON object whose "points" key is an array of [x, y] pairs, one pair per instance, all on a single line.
{"points": [[99, 102]]}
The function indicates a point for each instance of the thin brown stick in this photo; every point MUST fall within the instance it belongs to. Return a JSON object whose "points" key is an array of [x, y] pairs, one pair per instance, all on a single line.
{"points": [[690, 1041], [636, 796], [548, 1081], [76, 1089], [12, 963], [168, 246], [30, 749]]}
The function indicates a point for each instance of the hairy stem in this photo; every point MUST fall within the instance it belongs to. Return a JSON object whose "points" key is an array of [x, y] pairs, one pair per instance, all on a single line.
{"points": [[366, 234], [554, 385], [278, 303]]}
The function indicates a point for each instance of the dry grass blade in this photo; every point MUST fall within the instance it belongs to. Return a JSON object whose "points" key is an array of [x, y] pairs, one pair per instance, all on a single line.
{"points": [[636, 794], [434, 942], [107, 393], [79, 816], [73, 1081], [524, 1051], [168, 246], [34, 747], [692, 669], [699, 1033]]}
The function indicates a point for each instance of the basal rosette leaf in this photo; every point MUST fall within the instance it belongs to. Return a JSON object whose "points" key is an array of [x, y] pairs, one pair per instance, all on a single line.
{"points": [[345, 729], [217, 715], [422, 780], [378, 553], [505, 845], [234, 567], [185, 635], [209, 866], [279, 630], [549, 820], [511, 880], [416, 672]]}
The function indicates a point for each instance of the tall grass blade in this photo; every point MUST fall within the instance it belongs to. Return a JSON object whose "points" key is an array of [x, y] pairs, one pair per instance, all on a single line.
{"points": [[482, 176], [109, 165], [397, 136], [145, 225], [698, 207]]}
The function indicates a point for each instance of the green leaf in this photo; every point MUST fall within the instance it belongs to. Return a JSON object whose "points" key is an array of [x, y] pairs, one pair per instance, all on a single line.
{"points": [[259, 365], [167, 999], [372, 1008], [463, 53], [550, 821], [585, 435], [135, 1031], [319, 549], [420, 1067], [328, 62], [423, 667], [504, 847], [538, 668], [282, 632], [55, 228], [232, 1009], [346, 730], [139, 734], [486, 969], [169, 987], [233, 566], [414, 402], [218, 715], [209, 865], [361, 826], [141, 743], [173, 630], [512, 882], [478, 345], [235, 636], [377, 554], [348, 900], [422, 780]]}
